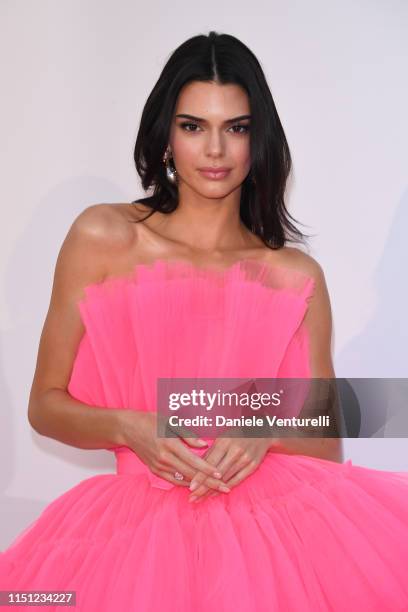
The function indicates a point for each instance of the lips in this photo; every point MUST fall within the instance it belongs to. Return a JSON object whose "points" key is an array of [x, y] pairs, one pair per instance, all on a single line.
{"points": [[214, 169], [215, 173]]}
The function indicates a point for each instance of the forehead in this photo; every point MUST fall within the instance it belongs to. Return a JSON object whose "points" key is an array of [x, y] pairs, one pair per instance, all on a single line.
{"points": [[208, 98]]}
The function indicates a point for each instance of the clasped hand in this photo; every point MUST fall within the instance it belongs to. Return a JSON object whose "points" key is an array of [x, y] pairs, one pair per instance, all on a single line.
{"points": [[234, 458], [225, 464]]}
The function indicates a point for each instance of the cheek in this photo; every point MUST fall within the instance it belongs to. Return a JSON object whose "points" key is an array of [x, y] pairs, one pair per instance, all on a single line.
{"points": [[186, 150], [240, 153]]}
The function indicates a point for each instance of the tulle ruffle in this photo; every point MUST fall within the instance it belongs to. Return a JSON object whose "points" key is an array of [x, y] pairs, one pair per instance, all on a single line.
{"points": [[299, 534]]}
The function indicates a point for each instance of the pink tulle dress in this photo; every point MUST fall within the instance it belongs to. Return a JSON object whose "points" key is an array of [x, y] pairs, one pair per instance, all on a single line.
{"points": [[300, 534]]}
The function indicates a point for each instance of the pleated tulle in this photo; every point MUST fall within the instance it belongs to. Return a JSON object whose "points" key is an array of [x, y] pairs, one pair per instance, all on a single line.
{"points": [[300, 534]]}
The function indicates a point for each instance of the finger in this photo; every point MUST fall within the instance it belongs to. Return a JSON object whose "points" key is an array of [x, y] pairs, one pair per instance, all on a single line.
{"points": [[213, 484], [247, 468], [194, 461], [209, 493], [219, 452], [232, 462], [183, 483], [173, 464], [230, 459], [170, 478], [196, 442], [200, 482], [235, 467], [225, 458], [214, 455], [197, 480], [202, 489], [196, 497], [206, 495], [240, 476]]}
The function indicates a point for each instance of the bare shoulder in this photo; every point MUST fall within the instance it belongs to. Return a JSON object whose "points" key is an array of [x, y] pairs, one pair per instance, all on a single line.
{"points": [[103, 223], [97, 241], [303, 262], [319, 300]]}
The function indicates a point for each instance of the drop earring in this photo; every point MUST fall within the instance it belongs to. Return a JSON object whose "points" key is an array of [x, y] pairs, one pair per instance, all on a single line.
{"points": [[171, 172]]}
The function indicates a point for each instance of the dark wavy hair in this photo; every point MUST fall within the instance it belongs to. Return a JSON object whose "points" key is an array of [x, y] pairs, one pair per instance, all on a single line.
{"points": [[223, 59]]}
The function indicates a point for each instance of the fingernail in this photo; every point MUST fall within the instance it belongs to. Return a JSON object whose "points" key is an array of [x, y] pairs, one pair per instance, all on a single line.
{"points": [[193, 485], [224, 489], [217, 474], [202, 442], [192, 498]]}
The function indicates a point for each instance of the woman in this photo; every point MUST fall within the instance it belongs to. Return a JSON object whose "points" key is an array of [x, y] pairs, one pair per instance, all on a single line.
{"points": [[203, 286]]}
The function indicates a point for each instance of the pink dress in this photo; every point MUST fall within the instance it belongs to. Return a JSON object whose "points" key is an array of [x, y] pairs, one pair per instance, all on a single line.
{"points": [[300, 534]]}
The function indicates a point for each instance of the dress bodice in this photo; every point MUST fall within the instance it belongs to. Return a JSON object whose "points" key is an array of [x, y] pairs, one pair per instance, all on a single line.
{"points": [[175, 319]]}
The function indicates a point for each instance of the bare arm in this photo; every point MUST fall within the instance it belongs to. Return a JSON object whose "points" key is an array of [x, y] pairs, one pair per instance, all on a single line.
{"points": [[96, 239], [318, 321], [52, 411]]}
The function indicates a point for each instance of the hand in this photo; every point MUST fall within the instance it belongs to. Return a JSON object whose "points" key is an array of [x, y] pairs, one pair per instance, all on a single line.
{"points": [[164, 456], [234, 458]]}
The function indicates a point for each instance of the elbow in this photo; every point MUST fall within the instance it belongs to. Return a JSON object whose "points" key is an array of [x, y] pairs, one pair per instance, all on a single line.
{"points": [[32, 417], [31, 420]]}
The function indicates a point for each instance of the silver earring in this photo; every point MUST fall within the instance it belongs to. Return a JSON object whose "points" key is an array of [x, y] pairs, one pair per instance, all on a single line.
{"points": [[171, 173]]}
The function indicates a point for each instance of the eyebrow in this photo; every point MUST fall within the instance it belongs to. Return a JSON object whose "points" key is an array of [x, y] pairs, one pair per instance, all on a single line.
{"points": [[227, 121]]}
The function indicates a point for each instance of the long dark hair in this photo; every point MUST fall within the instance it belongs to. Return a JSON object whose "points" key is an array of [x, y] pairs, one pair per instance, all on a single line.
{"points": [[221, 58]]}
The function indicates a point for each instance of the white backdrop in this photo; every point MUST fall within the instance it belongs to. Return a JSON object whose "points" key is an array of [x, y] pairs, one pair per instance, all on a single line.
{"points": [[75, 77]]}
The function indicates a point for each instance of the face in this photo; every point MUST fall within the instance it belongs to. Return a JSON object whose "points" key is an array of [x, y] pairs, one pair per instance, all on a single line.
{"points": [[211, 136]]}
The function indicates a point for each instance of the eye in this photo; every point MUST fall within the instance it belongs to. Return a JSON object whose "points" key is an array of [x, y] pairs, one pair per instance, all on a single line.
{"points": [[244, 128], [185, 125]]}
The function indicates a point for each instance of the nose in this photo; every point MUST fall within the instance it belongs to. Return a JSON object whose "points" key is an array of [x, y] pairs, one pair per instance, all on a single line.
{"points": [[215, 143]]}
